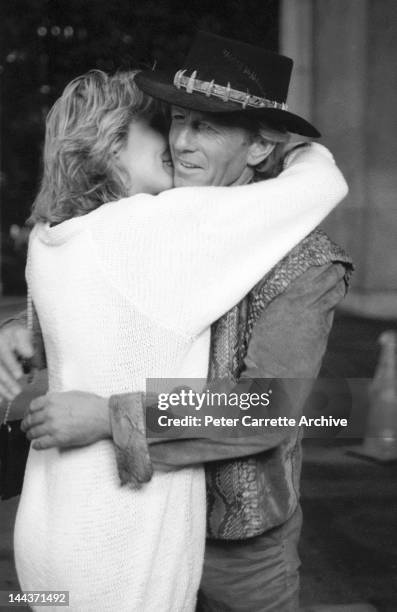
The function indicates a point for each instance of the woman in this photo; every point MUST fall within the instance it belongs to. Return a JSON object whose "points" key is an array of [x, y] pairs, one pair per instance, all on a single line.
{"points": [[126, 284]]}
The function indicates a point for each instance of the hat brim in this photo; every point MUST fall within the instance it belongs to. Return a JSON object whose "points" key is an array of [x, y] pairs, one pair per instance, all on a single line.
{"points": [[160, 85]]}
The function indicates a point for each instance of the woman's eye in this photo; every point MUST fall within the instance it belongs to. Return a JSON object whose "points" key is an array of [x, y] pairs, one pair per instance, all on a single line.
{"points": [[177, 117]]}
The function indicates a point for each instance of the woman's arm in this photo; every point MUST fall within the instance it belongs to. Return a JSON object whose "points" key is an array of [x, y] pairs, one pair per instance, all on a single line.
{"points": [[188, 255], [18, 343], [75, 418]]}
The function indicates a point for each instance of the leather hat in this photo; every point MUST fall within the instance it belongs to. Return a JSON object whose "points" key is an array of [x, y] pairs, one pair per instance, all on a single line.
{"points": [[221, 75]]}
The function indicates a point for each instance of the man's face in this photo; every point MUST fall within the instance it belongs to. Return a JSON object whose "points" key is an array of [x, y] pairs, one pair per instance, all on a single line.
{"points": [[207, 153]]}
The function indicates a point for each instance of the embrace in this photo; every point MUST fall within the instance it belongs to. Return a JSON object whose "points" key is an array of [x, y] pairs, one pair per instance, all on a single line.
{"points": [[174, 237]]}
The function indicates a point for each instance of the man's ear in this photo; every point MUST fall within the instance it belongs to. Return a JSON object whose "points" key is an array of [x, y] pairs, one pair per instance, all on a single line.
{"points": [[259, 150]]}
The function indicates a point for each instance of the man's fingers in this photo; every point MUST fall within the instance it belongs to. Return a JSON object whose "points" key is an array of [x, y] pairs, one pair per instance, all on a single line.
{"points": [[32, 420], [38, 403], [33, 413], [44, 442], [37, 432]]}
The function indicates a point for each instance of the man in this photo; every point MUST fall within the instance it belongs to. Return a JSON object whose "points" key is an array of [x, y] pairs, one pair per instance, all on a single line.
{"points": [[229, 125]]}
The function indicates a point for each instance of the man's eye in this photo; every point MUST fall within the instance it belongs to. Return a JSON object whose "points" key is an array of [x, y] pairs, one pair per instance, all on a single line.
{"points": [[206, 127], [177, 117]]}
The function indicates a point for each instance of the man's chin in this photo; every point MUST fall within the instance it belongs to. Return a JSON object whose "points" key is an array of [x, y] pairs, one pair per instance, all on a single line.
{"points": [[186, 181]]}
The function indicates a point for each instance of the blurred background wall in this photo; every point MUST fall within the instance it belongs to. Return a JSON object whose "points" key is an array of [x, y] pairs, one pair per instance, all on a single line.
{"points": [[344, 52], [46, 43], [345, 80]]}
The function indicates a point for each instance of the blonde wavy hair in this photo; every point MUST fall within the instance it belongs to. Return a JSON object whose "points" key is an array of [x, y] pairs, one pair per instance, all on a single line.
{"points": [[85, 129]]}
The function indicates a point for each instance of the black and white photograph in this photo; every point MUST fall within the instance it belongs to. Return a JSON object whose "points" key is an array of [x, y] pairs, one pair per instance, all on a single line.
{"points": [[198, 306]]}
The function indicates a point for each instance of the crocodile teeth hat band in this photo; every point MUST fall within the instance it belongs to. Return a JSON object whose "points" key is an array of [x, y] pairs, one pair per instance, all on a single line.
{"points": [[210, 88], [221, 75]]}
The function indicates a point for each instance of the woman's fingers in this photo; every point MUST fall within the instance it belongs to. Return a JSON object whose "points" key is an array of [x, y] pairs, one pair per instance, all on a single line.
{"points": [[5, 394], [9, 360], [9, 388], [15, 342], [22, 340]]}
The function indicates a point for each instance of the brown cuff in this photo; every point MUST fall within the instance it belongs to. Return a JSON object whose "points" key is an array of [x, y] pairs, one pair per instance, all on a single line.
{"points": [[127, 418]]}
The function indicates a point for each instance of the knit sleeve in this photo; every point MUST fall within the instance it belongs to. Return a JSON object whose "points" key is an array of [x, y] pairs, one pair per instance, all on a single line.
{"points": [[188, 255]]}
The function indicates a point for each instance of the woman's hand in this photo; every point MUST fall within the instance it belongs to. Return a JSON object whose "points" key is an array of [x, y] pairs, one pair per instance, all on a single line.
{"points": [[15, 344], [63, 420]]}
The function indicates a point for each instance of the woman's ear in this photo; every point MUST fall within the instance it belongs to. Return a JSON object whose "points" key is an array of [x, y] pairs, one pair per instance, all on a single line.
{"points": [[259, 150]]}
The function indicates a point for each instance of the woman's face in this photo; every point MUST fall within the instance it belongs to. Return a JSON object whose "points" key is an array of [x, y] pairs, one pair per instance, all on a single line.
{"points": [[147, 159]]}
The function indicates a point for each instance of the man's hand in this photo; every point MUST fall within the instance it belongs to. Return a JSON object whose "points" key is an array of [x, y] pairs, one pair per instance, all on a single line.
{"points": [[15, 344], [63, 420]]}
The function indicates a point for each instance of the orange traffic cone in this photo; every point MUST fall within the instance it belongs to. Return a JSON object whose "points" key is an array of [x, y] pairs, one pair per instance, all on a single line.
{"points": [[381, 431]]}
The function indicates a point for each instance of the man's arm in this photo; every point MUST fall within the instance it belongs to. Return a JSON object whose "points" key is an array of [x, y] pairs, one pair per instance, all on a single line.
{"points": [[288, 340]]}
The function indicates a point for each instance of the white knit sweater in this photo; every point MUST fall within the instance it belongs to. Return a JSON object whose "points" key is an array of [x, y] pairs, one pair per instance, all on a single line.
{"points": [[125, 293]]}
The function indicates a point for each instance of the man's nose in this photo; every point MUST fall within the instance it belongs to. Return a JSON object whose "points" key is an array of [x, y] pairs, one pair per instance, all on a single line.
{"points": [[184, 139]]}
